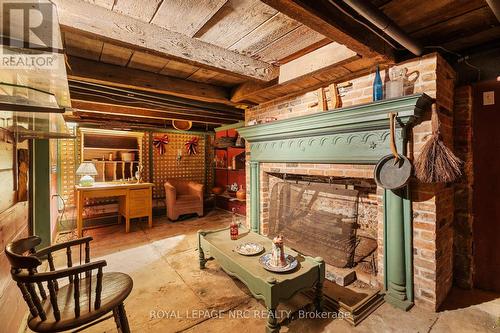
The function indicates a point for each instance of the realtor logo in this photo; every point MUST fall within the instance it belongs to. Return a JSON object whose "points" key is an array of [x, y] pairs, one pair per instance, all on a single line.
{"points": [[27, 34], [27, 24]]}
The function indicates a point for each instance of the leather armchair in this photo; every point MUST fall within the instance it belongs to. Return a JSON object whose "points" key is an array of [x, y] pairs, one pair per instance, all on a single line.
{"points": [[183, 197]]}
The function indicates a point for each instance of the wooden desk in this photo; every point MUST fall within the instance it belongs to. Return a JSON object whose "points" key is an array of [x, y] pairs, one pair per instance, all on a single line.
{"points": [[135, 200]]}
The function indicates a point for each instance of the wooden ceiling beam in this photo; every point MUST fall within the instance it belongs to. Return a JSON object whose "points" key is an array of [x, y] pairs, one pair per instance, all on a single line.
{"points": [[323, 17], [136, 112], [250, 92], [108, 26], [112, 122], [243, 92], [325, 57], [91, 91], [307, 72], [78, 98], [96, 72]]}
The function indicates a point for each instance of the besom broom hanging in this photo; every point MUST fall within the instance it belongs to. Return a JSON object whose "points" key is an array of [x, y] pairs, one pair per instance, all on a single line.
{"points": [[437, 163]]}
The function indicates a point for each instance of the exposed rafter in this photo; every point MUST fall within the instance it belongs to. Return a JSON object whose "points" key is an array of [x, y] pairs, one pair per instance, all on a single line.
{"points": [[327, 19], [124, 94], [245, 91], [316, 69], [91, 71], [111, 121], [97, 100], [259, 93], [328, 56], [98, 22], [141, 112]]}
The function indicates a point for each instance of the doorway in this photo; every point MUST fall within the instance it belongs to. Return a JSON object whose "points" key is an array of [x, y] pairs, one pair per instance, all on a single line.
{"points": [[486, 205]]}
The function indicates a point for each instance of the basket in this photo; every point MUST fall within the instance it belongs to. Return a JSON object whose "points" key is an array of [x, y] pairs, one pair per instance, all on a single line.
{"points": [[128, 157]]}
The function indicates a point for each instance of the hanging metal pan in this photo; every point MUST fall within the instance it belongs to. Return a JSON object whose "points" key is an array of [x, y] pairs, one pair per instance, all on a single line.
{"points": [[393, 171]]}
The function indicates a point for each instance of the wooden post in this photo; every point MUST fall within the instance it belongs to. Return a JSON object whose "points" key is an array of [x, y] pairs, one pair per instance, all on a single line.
{"points": [[39, 188], [254, 196], [397, 260], [322, 106]]}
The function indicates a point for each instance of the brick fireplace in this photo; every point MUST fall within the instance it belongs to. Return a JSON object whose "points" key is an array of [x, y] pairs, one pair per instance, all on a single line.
{"points": [[430, 207]]}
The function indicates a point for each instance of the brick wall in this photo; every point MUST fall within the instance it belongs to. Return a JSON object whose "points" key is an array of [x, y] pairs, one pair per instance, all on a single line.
{"points": [[432, 204], [462, 238]]}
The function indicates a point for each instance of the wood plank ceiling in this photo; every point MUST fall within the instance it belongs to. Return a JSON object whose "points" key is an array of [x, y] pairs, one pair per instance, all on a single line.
{"points": [[456, 25], [243, 33], [247, 27]]}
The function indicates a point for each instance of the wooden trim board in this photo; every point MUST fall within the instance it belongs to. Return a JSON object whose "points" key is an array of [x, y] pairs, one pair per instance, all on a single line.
{"points": [[316, 60]]}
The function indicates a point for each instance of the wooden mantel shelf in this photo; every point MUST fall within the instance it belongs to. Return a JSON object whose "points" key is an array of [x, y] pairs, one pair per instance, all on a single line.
{"points": [[365, 116], [357, 134]]}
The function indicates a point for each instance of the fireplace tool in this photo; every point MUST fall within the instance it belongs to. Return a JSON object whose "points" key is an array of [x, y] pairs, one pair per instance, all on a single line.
{"points": [[393, 171]]}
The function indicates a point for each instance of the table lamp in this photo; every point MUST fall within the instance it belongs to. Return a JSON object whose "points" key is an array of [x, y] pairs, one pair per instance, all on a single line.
{"points": [[86, 170]]}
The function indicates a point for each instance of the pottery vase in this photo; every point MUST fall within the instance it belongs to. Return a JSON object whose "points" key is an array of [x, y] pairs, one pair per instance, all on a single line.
{"points": [[241, 194]]}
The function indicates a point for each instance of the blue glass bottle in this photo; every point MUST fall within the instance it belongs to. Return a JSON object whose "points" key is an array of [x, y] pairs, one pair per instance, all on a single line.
{"points": [[378, 92]]}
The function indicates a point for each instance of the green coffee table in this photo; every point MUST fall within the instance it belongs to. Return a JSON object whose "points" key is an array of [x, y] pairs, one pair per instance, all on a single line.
{"points": [[270, 287]]}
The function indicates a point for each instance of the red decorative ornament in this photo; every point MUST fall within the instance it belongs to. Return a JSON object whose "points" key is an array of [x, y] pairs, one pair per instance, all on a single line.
{"points": [[192, 146], [160, 143]]}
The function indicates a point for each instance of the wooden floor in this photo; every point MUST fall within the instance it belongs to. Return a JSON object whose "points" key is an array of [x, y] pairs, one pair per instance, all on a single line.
{"points": [[171, 294]]}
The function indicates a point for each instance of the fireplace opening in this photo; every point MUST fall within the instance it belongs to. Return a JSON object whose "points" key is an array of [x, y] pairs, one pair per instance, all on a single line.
{"points": [[334, 218]]}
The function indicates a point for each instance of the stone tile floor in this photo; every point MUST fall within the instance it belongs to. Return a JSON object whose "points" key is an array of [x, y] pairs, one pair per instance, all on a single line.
{"points": [[171, 294]]}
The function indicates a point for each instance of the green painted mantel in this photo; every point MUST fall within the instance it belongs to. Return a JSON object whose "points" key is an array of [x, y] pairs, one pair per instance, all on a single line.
{"points": [[358, 134], [354, 135]]}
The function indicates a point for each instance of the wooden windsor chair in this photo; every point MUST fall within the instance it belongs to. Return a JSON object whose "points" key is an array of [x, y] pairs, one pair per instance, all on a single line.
{"points": [[82, 302]]}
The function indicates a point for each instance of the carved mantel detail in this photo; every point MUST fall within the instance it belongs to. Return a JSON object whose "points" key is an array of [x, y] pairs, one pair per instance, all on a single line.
{"points": [[362, 147], [357, 134]]}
